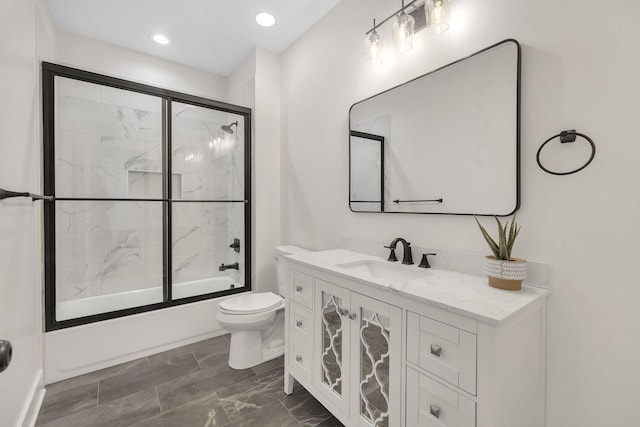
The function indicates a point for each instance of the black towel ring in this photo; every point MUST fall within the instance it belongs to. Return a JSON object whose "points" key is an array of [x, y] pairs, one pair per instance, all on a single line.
{"points": [[567, 136]]}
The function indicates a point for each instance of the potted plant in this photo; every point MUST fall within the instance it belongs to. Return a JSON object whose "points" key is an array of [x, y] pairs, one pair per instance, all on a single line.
{"points": [[503, 270]]}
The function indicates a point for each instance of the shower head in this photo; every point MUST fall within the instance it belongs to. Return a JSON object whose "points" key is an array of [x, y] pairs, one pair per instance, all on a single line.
{"points": [[227, 128]]}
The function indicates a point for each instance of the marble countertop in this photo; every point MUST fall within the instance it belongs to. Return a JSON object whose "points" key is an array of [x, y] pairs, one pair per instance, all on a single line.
{"points": [[462, 293]]}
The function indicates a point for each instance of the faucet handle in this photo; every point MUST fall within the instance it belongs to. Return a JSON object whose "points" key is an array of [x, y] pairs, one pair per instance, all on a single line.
{"points": [[392, 255], [425, 262]]}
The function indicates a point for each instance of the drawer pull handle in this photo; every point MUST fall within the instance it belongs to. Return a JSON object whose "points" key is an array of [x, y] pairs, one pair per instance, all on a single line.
{"points": [[299, 323], [299, 359], [298, 288], [435, 410], [436, 350], [352, 316]]}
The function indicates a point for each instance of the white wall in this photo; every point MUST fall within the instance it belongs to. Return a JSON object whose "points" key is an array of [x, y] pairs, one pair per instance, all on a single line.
{"points": [[266, 169], [579, 70], [92, 55], [25, 37], [255, 83]]}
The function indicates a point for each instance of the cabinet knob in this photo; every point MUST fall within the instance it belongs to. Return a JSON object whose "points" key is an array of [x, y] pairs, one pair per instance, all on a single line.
{"points": [[343, 311], [299, 323], [298, 358], [352, 316], [436, 350], [298, 288], [435, 410]]}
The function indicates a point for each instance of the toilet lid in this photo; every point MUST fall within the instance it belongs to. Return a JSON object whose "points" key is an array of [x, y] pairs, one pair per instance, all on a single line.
{"points": [[251, 303]]}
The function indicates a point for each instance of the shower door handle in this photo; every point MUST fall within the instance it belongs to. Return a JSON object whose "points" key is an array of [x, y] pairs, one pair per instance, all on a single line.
{"points": [[5, 354]]}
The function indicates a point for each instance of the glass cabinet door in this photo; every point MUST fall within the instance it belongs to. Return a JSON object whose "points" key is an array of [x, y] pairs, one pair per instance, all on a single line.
{"points": [[376, 373], [333, 329]]}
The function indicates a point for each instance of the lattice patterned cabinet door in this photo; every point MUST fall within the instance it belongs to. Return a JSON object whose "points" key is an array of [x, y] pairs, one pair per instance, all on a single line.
{"points": [[333, 330], [376, 362]]}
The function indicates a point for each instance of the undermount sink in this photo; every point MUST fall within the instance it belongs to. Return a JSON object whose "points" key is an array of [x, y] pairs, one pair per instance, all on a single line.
{"points": [[385, 270]]}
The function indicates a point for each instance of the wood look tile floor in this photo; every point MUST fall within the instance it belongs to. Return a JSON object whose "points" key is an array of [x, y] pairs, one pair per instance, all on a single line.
{"points": [[190, 386]]}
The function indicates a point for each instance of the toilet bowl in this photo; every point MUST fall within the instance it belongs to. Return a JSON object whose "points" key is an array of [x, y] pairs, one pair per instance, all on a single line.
{"points": [[256, 320]]}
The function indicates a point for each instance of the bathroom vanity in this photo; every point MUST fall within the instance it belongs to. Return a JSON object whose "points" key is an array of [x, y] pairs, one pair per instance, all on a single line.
{"points": [[386, 344]]}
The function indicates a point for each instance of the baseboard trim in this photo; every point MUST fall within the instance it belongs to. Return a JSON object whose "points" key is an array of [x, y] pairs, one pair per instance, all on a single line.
{"points": [[31, 408]]}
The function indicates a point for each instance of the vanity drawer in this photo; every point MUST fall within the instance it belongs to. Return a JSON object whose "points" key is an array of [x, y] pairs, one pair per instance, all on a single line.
{"points": [[301, 358], [431, 404], [300, 323], [443, 350], [301, 288]]}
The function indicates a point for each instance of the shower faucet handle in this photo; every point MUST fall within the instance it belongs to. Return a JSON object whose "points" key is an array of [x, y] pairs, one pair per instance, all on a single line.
{"points": [[235, 245]]}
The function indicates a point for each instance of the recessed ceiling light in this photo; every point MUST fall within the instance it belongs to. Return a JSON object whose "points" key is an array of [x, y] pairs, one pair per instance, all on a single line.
{"points": [[160, 39], [265, 19]]}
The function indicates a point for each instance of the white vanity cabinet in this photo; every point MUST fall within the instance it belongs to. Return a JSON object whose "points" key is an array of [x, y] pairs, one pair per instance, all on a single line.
{"points": [[357, 345], [377, 356]]}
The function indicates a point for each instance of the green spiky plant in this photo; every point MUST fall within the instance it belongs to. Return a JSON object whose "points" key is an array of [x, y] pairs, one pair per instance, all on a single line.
{"points": [[506, 238]]}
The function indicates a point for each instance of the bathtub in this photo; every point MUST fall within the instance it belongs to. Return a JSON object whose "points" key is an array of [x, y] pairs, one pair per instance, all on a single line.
{"points": [[87, 306], [81, 349]]}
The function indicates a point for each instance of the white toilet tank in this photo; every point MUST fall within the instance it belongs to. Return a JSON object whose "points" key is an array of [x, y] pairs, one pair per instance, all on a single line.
{"points": [[281, 271]]}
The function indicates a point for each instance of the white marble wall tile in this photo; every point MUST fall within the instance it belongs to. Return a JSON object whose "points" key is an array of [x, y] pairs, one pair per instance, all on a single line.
{"points": [[197, 267], [82, 248], [132, 275], [80, 281], [121, 153], [132, 216], [192, 186], [126, 98], [78, 149], [78, 217], [76, 115], [186, 241], [149, 126], [66, 87], [86, 181]]}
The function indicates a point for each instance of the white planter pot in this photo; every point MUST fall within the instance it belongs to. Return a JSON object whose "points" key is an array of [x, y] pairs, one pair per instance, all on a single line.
{"points": [[505, 274]]}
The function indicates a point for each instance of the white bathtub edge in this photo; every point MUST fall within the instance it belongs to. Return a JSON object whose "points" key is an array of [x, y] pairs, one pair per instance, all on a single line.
{"points": [[79, 350]]}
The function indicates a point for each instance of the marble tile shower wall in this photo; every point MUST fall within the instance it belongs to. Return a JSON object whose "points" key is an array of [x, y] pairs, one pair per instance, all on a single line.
{"points": [[108, 145]]}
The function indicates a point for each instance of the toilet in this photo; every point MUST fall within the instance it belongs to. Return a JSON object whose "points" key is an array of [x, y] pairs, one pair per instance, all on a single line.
{"points": [[256, 320]]}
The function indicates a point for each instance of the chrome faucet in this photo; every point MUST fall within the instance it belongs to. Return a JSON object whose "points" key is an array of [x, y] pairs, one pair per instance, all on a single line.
{"points": [[407, 258]]}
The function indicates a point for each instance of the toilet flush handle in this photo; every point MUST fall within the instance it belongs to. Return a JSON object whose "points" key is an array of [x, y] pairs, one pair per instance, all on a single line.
{"points": [[5, 354]]}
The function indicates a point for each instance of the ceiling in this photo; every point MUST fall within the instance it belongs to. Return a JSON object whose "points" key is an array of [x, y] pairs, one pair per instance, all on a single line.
{"points": [[212, 35]]}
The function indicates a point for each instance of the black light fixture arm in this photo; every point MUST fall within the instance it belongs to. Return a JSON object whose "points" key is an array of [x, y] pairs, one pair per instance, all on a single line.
{"points": [[6, 194], [390, 16]]}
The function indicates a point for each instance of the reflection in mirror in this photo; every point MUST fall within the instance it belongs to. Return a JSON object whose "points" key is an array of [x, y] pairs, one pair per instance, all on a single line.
{"points": [[451, 140], [367, 164]]}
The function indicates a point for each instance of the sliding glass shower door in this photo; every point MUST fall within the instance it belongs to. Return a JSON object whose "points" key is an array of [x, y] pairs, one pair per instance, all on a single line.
{"points": [[208, 209], [151, 197]]}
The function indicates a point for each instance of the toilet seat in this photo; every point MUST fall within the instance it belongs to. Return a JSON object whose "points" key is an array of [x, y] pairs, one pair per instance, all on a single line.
{"points": [[251, 303]]}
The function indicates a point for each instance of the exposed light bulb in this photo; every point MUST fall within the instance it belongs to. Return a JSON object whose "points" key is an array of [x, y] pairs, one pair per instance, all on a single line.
{"points": [[402, 30], [438, 12], [374, 49], [438, 16]]}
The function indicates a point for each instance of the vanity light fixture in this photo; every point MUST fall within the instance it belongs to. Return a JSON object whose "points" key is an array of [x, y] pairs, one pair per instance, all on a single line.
{"points": [[160, 39], [265, 19], [437, 12], [374, 47], [402, 31], [431, 14]]}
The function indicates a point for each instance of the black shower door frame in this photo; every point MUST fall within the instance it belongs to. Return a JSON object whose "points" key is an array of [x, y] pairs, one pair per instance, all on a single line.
{"points": [[49, 72]]}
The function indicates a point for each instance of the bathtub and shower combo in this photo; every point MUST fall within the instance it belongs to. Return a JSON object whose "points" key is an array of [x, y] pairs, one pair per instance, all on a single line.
{"points": [[148, 225]]}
